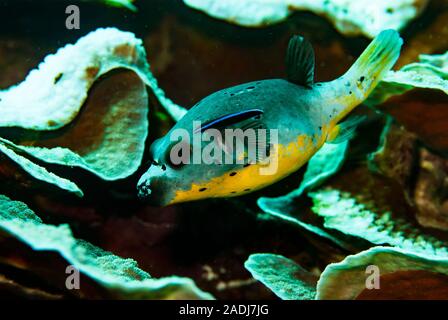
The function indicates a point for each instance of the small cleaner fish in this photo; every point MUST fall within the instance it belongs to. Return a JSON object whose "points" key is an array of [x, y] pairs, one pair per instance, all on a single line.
{"points": [[305, 114]]}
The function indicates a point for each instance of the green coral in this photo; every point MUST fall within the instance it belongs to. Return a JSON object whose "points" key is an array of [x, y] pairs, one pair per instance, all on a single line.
{"points": [[347, 279], [38, 172], [344, 280], [128, 4], [121, 276], [349, 17], [284, 277], [430, 73], [344, 213], [116, 153]]}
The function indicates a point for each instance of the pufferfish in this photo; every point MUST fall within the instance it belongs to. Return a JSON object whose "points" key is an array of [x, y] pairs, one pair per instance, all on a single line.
{"points": [[305, 114]]}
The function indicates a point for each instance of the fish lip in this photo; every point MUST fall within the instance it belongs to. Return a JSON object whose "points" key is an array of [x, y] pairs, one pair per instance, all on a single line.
{"points": [[147, 179], [143, 193]]}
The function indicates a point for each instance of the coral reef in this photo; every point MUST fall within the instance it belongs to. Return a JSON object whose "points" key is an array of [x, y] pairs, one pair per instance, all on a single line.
{"points": [[349, 17]]}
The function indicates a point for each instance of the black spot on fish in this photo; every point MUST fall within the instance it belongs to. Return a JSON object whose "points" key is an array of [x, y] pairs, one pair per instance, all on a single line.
{"points": [[362, 79], [202, 189], [250, 88], [320, 128], [163, 167], [350, 92], [233, 192], [390, 10], [268, 151], [232, 174], [246, 190], [57, 78], [232, 94]]}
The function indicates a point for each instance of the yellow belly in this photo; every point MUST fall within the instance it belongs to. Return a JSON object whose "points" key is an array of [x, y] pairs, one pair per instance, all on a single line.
{"points": [[287, 159]]}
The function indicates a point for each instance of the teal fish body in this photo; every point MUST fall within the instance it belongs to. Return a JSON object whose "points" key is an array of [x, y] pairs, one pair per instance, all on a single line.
{"points": [[296, 116]]}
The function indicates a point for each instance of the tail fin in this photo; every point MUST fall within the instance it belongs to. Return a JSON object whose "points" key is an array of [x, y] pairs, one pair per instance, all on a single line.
{"points": [[376, 60]]}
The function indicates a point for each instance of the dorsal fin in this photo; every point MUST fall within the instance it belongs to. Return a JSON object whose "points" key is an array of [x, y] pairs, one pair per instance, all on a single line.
{"points": [[300, 61]]}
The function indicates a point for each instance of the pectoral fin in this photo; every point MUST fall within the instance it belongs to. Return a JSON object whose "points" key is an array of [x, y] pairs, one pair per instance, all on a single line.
{"points": [[345, 130]]}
